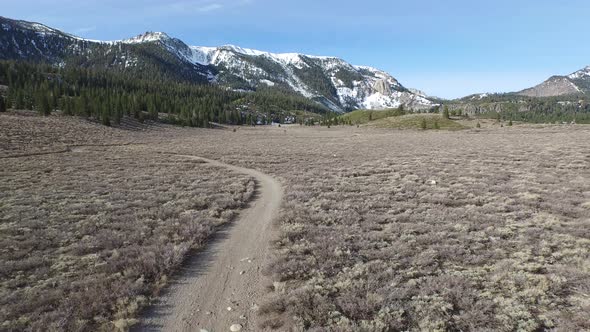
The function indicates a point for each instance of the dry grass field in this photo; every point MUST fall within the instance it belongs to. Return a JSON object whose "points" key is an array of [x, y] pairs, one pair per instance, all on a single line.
{"points": [[24, 133], [87, 236], [424, 230], [380, 230]]}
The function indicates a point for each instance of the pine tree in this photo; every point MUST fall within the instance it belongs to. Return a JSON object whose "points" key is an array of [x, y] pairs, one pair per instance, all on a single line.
{"points": [[81, 106], [9, 100], [446, 112], [185, 117], [205, 116], [152, 110], [55, 98], [117, 114], [2, 104], [20, 100], [239, 118], [42, 103], [105, 118]]}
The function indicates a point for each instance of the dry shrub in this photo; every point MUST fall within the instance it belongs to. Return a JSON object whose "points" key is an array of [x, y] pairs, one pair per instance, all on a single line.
{"points": [[88, 236], [369, 242], [499, 242]]}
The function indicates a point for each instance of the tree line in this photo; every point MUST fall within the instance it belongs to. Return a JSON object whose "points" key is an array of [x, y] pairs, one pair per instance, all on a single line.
{"points": [[109, 96], [573, 108], [545, 111]]}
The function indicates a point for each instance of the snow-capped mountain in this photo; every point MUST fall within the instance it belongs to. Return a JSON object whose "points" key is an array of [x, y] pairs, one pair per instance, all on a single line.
{"points": [[583, 74], [328, 80], [575, 83]]}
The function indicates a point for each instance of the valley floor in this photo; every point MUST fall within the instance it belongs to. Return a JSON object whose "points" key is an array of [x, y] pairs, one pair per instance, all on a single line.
{"points": [[379, 229]]}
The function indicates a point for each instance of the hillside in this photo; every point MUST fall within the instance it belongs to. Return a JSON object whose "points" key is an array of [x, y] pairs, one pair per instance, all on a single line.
{"points": [[329, 81], [557, 100], [365, 116], [109, 96], [575, 83], [554, 86]]}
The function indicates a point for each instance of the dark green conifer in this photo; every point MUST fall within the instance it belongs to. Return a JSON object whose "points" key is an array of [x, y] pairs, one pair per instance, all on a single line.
{"points": [[42, 103], [2, 104]]}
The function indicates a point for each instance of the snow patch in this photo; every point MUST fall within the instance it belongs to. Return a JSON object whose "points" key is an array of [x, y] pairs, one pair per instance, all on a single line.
{"points": [[380, 101], [267, 82], [147, 38], [480, 96], [580, 73]]}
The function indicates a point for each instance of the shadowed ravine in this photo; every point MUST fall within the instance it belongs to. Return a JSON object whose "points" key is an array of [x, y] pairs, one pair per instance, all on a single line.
{"points": [[226, 274]]}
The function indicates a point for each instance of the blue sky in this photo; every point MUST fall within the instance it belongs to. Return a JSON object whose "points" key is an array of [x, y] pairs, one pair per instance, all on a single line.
{"points": [[447, 48]]}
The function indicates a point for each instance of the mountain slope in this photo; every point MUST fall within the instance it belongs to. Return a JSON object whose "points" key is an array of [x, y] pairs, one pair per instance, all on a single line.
{"points": [[575, 83], [581, 79], [21, 40], [328, 80]]}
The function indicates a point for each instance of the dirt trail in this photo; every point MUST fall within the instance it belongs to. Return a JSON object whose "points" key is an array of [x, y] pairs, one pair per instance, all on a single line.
{"points": [[226, 274]]}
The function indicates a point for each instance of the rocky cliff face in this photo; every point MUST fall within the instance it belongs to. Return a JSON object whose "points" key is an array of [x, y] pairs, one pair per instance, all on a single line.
{"points": [[498, 107], [382, 87]]}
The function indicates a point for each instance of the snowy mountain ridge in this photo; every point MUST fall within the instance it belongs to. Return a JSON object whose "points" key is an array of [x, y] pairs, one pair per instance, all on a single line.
{"points": [[365, 87], [330, 81], [582, 73]]}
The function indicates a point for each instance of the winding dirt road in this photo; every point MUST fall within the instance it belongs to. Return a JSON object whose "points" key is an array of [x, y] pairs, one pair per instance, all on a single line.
{"points": [[222, 285]]}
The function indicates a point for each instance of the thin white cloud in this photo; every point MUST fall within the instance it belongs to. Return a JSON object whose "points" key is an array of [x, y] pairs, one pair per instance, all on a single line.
{"points": [[84, 30], [198, 6], [210, 7]]}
